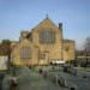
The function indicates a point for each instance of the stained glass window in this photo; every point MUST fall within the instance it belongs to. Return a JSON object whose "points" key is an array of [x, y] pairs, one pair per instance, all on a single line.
{"points": [[25, 53], [47, 36]]}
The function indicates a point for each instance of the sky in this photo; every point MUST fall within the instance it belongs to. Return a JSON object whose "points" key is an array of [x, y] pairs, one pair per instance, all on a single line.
{"points": [[19, 15]]}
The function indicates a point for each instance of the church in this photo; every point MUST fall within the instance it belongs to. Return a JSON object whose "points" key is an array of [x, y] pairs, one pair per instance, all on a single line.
{"points": [[42, 44]]}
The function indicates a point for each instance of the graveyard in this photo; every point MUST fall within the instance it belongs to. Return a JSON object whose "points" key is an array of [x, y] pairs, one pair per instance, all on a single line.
{"points": [[46, 78]]}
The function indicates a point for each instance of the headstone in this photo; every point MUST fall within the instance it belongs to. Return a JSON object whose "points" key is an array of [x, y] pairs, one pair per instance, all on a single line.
{"points": [[72, 88], [1, 80], [40, 71], [13, 83]]}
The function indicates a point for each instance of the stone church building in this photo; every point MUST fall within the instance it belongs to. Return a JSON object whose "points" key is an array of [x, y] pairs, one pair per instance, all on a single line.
{"points": [[42, 45]]}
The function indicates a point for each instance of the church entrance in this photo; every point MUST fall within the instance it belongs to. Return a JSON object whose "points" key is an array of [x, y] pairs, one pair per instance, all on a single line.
{"points": [[44, 58]]}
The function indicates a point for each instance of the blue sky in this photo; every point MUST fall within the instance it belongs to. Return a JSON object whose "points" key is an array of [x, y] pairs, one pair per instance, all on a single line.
{"points": [[18, 15]]}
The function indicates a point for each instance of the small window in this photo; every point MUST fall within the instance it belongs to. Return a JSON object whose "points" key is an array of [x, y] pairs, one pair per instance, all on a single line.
{"points": [[42, 56]]}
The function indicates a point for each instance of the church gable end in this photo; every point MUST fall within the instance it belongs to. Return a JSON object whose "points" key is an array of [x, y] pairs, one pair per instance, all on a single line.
{"points": [[43, 45]]}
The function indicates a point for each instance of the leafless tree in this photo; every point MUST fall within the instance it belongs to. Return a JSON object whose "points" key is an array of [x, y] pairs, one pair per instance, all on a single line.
{"points": [[87, 50], [87, 45]]}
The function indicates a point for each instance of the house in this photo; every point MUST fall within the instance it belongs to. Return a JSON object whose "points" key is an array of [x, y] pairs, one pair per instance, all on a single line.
{"points": [[4, 56]]}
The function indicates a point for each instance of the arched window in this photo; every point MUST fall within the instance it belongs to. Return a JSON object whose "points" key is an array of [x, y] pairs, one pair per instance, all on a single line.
{"points": [[47, 36], [25, 53]]}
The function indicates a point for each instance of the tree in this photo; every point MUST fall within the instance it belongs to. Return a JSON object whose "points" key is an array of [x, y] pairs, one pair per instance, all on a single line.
{"points": [[6, 42], [7, 46], [87, 50], [87, 44]]}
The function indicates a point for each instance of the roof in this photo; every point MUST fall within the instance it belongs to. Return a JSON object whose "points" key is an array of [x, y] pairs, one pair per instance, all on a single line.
{"points": [[67, 40], [27, 34], [47, 19]]}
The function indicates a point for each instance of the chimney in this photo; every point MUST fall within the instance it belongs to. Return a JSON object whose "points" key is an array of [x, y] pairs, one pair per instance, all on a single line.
{"points": [[60, 26]]}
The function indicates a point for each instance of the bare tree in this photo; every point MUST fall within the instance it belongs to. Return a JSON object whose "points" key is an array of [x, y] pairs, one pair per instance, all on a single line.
{"points": [[87, 50], [87, 45]]}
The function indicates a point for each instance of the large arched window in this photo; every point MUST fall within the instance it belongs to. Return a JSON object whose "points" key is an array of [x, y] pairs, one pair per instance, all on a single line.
{"points": [[47, 36], [25, 53]]}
